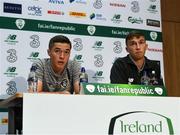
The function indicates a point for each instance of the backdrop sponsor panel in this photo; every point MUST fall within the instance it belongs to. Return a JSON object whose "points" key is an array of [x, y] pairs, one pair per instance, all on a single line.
{"points": [[96, 28], [23, 51], [97, 34]]}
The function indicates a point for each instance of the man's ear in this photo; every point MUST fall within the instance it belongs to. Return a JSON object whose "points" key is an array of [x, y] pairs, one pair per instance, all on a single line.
{"points": [[49, 52], [127, 49], [146, 46]]}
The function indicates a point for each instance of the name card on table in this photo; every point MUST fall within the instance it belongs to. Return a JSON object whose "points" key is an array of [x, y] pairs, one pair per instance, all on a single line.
{"points": [[122, 89]]}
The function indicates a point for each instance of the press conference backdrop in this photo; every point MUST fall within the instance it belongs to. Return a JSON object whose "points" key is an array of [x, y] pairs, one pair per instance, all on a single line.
{"points": [[97, 29]]}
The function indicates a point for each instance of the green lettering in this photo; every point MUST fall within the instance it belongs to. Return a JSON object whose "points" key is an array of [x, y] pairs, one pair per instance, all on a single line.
{"points": [[140, 127], [132, 128], [158, 127]]}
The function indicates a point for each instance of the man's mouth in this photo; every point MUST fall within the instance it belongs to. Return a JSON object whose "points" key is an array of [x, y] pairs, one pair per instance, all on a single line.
{"points": [[138, 52], [60, 62]]}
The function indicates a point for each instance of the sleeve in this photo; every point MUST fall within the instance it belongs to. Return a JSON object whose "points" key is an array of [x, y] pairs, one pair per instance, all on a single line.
{"points": [[75, 71], [40, 69], [118, 73]]}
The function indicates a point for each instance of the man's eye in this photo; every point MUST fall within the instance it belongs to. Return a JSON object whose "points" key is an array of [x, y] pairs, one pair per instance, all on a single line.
{"points": [[56, 51], [141, 42], [132, 43], [66, 52]]}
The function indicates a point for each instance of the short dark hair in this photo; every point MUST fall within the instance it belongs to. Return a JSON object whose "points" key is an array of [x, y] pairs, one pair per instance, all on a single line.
{"points": [[132, 34], [59, 39]]}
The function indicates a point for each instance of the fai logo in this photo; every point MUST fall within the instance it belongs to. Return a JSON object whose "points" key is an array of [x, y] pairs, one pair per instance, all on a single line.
{"points": [[59, 86], [11, 90], [153, 35], [97, 4], [78, 46], [141, 122], [91, 30], [130, 80], [20, 23], [90, 88], [64, 84], [35, 43], [118, 48], [12, 56], [98, 60], [158, 90]]}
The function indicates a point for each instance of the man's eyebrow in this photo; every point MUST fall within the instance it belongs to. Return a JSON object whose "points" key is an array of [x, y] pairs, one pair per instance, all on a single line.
{"points": [[61, 48], [131, 41], [56, 48], [142, 40]]}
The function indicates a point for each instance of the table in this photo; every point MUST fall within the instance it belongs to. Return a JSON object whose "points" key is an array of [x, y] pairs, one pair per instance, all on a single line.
{"points": [[14, 105]]}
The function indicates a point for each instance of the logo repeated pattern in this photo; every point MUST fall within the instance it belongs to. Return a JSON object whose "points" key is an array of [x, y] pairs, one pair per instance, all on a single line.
{"points": [[97, 31]]}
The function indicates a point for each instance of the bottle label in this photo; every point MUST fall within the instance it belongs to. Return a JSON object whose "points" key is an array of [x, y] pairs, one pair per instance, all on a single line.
{"points": [[84, 80], [32, 86]]}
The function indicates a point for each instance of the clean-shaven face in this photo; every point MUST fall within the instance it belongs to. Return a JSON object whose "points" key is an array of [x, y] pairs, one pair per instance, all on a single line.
{"points": [[137, 47], [59, 55]]}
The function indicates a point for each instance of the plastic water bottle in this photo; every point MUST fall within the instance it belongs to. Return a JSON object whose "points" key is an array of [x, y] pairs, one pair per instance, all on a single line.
{"points": [[145, 79], [32, 80], [83, 77]]}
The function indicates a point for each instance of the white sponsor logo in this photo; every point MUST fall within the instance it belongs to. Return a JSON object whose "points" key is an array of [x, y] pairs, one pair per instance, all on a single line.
{"points": [[20, 23], [90, 88], [91, 29]]}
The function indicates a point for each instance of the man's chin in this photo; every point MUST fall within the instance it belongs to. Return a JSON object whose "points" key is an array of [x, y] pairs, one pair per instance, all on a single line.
{"points": [[138, 57], [61, 65]]}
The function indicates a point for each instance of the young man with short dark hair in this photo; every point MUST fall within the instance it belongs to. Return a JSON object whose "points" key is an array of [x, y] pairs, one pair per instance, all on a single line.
{"points": [[58, 74], [132, 68]]}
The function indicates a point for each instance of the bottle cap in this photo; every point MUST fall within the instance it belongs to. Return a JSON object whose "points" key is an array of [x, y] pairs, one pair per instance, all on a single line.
{"points": [[153, 72], [33, 68], [83, 70]]}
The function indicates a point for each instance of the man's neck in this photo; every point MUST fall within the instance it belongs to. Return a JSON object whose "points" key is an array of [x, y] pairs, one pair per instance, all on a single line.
{"points": [[139, 63], [57, 71]]}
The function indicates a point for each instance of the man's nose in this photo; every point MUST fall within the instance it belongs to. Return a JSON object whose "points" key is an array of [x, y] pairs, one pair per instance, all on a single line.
{"points": [[61, 55], [137, 45]]}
